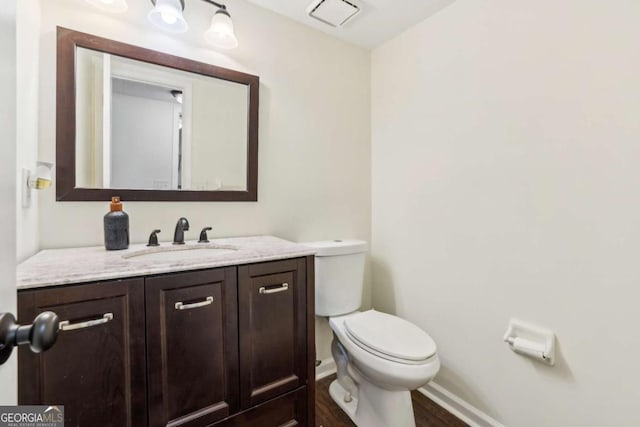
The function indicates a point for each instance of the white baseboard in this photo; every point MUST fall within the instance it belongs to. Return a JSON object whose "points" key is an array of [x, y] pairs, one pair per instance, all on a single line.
{"points": [[434, 391], [327, 367], [457, 406]]}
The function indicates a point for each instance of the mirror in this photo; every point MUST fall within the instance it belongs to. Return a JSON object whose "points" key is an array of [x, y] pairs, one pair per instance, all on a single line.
{"points": [[150, 126]]}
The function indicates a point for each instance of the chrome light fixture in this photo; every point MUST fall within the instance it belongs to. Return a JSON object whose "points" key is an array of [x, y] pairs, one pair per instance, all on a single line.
{"points": [[115, 6], [167, 15]]}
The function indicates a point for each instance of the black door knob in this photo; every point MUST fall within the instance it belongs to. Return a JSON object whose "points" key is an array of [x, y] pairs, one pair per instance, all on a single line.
{"points": [[44, 332], [41, 335]]}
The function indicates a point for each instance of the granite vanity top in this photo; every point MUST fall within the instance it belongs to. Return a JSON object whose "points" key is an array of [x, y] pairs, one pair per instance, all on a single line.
{"points": [[54, 267]]}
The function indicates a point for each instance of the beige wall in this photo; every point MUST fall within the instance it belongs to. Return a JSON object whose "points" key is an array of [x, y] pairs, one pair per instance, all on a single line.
{"points": [[505, 146], [28, 43], [314, 155]]}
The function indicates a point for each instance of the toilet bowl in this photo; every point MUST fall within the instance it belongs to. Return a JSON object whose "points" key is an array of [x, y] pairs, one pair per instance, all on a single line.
{"points": [[379, 357], [413, 360], [387, 358]]}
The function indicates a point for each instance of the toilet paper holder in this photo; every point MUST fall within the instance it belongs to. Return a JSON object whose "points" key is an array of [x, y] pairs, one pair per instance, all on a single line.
{"points": [[532, 341]]}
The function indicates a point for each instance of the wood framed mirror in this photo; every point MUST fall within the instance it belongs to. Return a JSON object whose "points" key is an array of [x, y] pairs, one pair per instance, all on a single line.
{"points": [[149, 126]]}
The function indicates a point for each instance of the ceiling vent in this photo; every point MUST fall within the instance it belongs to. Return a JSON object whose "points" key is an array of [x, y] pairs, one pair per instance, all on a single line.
{"points": [[333, 12]]}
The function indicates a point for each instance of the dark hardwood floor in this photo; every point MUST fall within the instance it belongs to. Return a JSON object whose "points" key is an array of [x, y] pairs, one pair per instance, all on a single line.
{"points": [[427, 413]]}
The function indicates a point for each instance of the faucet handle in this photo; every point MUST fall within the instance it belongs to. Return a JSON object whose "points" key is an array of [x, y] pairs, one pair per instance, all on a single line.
{"points": [[203, 235], [153, 238]]}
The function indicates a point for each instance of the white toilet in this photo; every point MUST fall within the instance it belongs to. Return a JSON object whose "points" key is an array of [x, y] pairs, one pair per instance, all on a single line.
{"points": [[380, 358]]}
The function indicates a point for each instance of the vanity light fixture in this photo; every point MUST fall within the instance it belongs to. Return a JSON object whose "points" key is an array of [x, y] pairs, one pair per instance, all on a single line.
{"points": [[115, 6], [221, 32], [167, 15]]}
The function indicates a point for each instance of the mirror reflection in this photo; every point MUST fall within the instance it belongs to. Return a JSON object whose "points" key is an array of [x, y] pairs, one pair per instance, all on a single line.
{"points": [[145, 126]]}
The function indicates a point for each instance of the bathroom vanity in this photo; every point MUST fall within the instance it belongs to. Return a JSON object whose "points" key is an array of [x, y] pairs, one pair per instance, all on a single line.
{"points": [[217, 335]]}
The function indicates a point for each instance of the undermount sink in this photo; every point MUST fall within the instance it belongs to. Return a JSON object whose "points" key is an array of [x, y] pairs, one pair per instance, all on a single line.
{"points": [[179, 253]]}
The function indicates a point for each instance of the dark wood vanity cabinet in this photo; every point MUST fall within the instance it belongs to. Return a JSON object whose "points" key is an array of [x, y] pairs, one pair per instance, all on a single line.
{"points": [[272, 320], [96, 367], [285, 411], [192, 347], [230, 346]]}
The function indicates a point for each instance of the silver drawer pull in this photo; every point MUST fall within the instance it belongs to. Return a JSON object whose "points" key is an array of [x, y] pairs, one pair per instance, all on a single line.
{"points": [[280, 288], [183, 306], [68, 326]]}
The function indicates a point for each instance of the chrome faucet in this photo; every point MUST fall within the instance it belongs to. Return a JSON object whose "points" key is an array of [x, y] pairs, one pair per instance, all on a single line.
{"points": [[181, 227]]}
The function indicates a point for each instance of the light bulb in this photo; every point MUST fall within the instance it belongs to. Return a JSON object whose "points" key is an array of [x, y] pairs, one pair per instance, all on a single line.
{"points": [[221, 33], [167, 15], [168, 18]]}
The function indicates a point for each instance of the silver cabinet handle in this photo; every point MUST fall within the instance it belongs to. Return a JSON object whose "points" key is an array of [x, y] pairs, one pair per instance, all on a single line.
{"points": [[280, 288], [68, 326], [183, 306]]}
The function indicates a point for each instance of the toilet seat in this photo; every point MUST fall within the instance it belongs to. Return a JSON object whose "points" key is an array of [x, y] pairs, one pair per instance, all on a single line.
{"points": [[386, 371], [390, 337]]}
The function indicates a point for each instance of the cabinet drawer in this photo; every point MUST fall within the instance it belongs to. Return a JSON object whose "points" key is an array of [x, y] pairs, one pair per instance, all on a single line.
{"points": [[285, 411], [96, 369], [272, 318], [192, 347]]}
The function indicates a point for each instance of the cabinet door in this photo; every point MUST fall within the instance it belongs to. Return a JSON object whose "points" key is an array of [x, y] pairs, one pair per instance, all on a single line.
{"points": [[96, 368], [285, 411], [192, 347], [272, 315]]}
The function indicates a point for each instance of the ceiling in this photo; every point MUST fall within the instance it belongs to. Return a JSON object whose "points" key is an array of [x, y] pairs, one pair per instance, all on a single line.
{"points": [[379, 21]]}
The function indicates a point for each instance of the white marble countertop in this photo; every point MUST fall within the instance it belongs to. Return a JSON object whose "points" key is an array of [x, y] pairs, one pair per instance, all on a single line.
{"points": [[54, 267]]}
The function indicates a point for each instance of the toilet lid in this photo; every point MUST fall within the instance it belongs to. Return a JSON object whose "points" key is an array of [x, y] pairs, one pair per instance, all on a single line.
{"points": [[390, 335]]}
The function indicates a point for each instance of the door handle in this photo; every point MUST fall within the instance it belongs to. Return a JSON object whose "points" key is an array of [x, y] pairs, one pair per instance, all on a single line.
{"points": [[270, 290], [183, 306], [68, 326], [41, 335]]}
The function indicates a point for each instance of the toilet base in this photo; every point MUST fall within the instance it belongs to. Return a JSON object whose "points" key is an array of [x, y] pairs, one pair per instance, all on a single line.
{"points": [[375, 407], [337, 393]]}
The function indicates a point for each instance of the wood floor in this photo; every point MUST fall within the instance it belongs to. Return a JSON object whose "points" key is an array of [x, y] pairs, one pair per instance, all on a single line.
{"points": [[427, 413]]}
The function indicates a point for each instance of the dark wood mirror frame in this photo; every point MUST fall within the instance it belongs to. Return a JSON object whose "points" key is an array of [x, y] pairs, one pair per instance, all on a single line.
{"points": [[68, 41]]}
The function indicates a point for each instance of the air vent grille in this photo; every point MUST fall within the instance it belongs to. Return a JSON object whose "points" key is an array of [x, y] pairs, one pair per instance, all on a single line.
{"points": [[333, 12]]}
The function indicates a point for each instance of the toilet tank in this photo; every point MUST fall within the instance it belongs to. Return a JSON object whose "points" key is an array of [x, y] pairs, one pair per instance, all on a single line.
{"points": [[339, 274]]}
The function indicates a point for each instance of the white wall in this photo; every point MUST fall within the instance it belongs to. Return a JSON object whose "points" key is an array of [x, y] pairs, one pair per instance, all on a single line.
{"points": [[89, 117], [505, 146], [140, 124], [314, 154], [8, 371], [27, 58], [219, 137]]}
